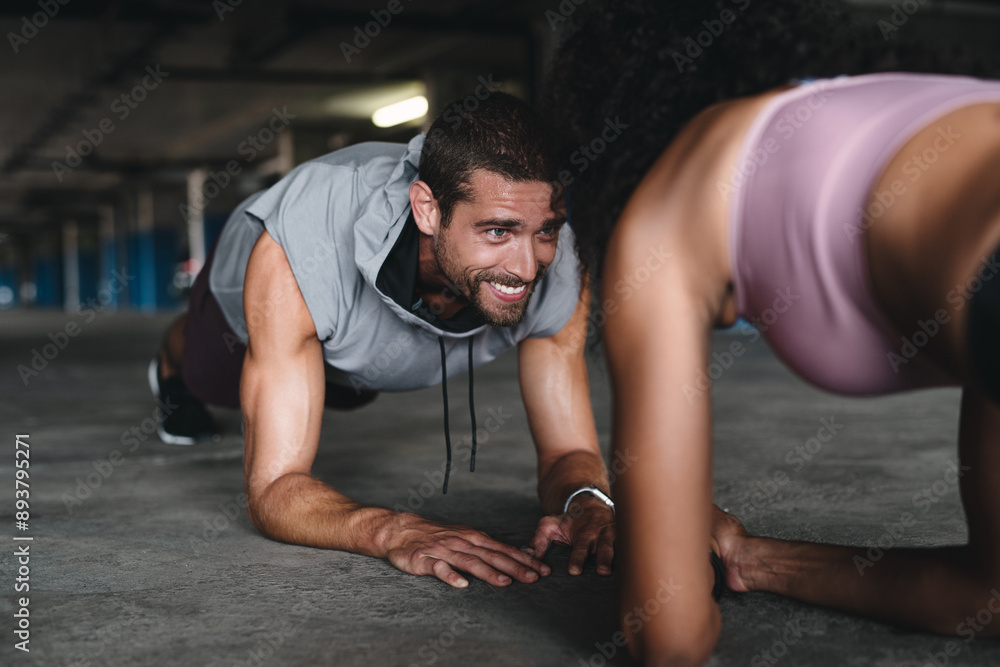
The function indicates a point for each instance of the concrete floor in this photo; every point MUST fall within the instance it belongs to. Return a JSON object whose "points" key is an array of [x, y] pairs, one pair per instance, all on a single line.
{"points": [[152, 563]]}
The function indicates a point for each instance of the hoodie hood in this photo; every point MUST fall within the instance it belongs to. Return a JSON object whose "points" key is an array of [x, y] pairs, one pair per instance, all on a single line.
{"points": [[386, 251]]}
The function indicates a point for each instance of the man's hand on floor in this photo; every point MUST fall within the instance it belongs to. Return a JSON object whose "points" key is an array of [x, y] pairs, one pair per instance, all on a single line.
{"points": [[422, 547], [588, 528]]}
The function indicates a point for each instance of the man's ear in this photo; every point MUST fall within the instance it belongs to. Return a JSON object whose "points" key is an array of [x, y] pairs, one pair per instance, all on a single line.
{"points": [[426, 212]]}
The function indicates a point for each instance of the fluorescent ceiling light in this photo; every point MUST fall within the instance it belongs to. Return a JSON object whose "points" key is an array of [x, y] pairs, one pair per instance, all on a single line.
{"points": [[401, 112], [362, 102]]}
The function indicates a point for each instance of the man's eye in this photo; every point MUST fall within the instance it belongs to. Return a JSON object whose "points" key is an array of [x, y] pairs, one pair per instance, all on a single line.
{"points": [[498, 232], [549, 231]]}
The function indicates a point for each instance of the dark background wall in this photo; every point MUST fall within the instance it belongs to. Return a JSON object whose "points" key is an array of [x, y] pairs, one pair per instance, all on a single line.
{"points": [[129, 130]]}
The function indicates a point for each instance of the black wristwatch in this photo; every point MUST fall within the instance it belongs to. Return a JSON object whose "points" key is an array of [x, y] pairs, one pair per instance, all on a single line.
{"points": [[720, 575]]}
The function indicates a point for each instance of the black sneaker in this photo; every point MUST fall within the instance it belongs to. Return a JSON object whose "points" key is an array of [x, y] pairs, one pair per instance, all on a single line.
{"points": [[186, 421]]}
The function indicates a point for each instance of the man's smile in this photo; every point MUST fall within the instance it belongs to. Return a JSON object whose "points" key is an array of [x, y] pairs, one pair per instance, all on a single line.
{"points": [[506, 293]]}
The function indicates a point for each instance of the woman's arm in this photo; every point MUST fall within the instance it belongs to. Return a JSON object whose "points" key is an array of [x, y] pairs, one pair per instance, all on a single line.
{"points": [[938, 589], [657, 342], [658, 335]]}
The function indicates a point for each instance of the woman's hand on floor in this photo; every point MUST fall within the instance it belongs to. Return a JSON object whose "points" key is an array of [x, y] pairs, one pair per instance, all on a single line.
{"points": [[729, 539]]}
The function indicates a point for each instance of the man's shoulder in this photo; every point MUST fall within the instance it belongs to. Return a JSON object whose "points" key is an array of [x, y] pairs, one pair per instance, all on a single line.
{"points": [[363, 156], [346, 176], [315, 212]]}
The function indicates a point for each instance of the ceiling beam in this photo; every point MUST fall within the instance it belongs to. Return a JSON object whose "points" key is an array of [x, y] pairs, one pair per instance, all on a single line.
{"points": [[74, 104], [284, 77], [115, 10]]}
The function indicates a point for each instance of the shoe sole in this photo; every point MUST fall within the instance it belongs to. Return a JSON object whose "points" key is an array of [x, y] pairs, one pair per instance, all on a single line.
{"points": [[154, 386]]}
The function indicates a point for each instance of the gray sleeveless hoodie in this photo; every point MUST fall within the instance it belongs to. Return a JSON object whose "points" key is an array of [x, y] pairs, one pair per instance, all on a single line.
{"points": [[344, 223]]}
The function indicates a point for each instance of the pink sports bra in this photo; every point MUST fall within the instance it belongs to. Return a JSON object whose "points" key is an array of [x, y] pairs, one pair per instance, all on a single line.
{"points": [[799, 211]]}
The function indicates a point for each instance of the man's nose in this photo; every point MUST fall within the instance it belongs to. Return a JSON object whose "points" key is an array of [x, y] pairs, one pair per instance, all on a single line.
{"points": [[523, 263]]}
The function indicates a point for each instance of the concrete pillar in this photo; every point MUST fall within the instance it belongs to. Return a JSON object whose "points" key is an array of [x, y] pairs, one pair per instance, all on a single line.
{"points": [[196, 215], [286, 151], [71, 266], [45, 284], [106, 251], [144, 260], [284, 161], [10, 271]]}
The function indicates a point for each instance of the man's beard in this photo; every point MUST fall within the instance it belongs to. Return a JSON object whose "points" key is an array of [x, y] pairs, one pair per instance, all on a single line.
{"points": [[490, 309]]}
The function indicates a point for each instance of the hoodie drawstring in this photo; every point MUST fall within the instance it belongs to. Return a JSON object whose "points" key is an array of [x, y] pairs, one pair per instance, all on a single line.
{"points": [[472, 412], [447, 431]]}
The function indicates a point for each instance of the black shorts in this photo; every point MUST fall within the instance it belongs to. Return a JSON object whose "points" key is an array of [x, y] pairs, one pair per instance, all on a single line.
{"points": [[984, 327], [213, 354]]}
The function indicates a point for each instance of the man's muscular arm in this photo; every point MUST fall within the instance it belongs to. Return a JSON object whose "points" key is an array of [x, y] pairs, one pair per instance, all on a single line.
{"points": [[556, 393], [282, 396]]}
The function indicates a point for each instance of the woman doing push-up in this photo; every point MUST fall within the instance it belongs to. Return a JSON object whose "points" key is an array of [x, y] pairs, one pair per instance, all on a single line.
{"points": [[858, 216]]}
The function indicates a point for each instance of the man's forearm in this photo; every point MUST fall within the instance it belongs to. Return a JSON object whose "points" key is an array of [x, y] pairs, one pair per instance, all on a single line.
{"points": [[567, 474], [300, 509]]}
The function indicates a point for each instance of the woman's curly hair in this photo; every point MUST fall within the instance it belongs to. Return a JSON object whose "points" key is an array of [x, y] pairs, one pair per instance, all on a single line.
{"points": [[655, 64]]}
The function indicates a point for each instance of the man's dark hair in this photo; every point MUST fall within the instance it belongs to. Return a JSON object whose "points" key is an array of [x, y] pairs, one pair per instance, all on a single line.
{"points": [[638, 60], [502, 134]]}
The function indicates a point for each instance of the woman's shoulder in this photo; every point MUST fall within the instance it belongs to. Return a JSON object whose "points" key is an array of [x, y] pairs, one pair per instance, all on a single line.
{"points": [[682, 181], [678, 205]]}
